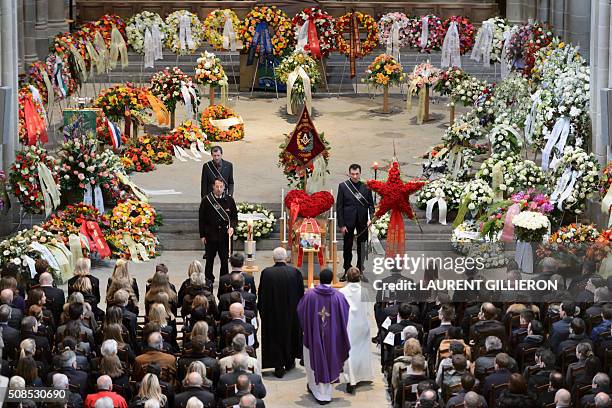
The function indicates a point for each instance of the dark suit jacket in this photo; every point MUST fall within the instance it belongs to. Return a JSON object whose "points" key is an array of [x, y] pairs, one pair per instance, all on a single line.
{"points": [[235, 400], [437, 332], [55, 301], [250, 301], [209, 175], [11, 338], [75, 377], [485, 328], [224, 283], [259, 391], [206, 397], [352, 212], [559, 332], [16, 316], [495, 378], [130, 321], [247, 326], [212, 226]]}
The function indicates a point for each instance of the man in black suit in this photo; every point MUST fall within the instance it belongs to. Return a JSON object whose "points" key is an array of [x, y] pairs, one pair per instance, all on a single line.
{"points": [[354, 205], [406, 314], [236, 264], [217, 168], [487, 326], [243, 387], [55, 297], [68, 363], [198, 346], [560, 329], [10, 335], [501, 375], [545, 363], [6, 298], [29, 330], [218, 218], [236, 311], [193, 388], [556, 383], [237, 285], [240, 367], [446, 314], [601, 383]]}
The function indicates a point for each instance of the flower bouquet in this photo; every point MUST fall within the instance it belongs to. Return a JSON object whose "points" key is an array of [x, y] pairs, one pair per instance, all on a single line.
{"points": [[386, 29], [137, 244], [463, 132], [261, 228], [465, 29], [448, 80], [276, 22], [184, 32], [293, 169], [420, 80], [289, 67], [366, 23], [384, 71], [172, 86], [432, 39], [216, 134], [524, 45], [476, 196], [484, 105], [137, 26], [443, 190], [324, 41], [24, 180], [512, 100], [156, 148], [530, 226], [577, 169], [505, 138], [468, 90], [133, 214], [136, 159], [214, 24], [509, 173], [17, 249], [119, 100], [380, 226], [210, 72], [439, 163], [68, 221], [571, 243]]}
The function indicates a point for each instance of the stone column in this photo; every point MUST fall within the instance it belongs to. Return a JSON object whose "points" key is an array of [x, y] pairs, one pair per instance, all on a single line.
{"points": [[557, 17], [600, 72], [20, 34], [579, 24], [8, 73], [29, 23], [520, 11], [57, 18], [42, 38]]}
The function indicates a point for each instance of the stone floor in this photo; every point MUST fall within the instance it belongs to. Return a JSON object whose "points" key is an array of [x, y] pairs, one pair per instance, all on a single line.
{"points": [[289, 391]]}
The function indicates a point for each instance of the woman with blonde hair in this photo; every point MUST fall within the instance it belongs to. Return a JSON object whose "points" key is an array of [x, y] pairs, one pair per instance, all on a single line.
{"points": [[194, 267], [82, 269], [161, 283], [197, 286], [116, 285], [197, 367], [114, 331], [159, 315], [150, 390], [121, 272]]}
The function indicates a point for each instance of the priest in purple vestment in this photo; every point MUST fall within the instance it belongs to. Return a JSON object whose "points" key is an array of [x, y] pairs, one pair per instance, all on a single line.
{"points": [[323, 314]]}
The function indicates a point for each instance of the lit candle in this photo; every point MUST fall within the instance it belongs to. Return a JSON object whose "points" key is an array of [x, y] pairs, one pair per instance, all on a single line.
{"points": [[335, 227], [375, 165]]}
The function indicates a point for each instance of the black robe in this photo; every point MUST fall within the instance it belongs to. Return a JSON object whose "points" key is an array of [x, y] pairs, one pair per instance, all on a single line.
{"points": [[280, 289]]}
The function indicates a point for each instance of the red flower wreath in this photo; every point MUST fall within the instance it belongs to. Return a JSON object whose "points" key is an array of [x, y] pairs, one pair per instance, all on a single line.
{"points": [[310, 205], [465, 29], [366, 22]]}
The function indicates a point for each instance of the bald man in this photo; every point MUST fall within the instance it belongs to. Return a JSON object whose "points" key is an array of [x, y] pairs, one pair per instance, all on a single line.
{"points": [[193, 388], [55, 296], [563, 399], [105, 386], [602, 400], [236, 312], [487, 325]]}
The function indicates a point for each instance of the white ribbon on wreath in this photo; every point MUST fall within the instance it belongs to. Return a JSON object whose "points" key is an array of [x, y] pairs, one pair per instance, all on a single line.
{"points": [[442, 208], [299, 72], [484, 44], [185, 37], [188, 92], [505, 64], [424, 31], [564, 187], [38, 99], [50, 190], [230, 41], [93, 196], [393, 46], [557, 138], [451, 47], [302, 37]]}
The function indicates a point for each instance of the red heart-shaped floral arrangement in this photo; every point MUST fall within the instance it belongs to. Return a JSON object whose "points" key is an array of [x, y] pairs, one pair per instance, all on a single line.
{"points": [[310, 205]]}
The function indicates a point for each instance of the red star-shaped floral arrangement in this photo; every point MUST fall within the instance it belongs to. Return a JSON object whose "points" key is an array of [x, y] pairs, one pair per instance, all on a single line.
{"points": [[395, 193], [395, 197]]}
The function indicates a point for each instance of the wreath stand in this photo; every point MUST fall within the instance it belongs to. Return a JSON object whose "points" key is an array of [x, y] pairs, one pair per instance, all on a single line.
{"points": [[256, 71], [324, 74], [452, 114], [342, 77]]}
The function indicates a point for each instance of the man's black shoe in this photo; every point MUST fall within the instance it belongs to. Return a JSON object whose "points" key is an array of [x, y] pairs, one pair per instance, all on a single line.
{"points": [[279, 372], [350, 389], [343, 278], [290, 366], [375, 339]]}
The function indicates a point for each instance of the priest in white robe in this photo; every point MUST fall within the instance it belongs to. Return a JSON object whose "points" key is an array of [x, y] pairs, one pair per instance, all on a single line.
{"points": [[358, 367]]}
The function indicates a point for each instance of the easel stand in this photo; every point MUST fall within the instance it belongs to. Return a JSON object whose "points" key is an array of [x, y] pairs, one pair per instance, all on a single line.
{"points": [[452, 114], [324, 74], [342, 77], [257, 70]]}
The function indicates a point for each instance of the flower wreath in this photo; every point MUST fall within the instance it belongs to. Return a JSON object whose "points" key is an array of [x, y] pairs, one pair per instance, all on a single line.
{"points": [[367, 22], [443, 187], [23, 178], [105, 26], [116, 100], [435, 37], [35, 76], [136, 159], [384, 71], [466, 32], [214, 23], [133, 214], [68, 84], [262, 228], [173, 37], [209, 70], [137, 25], [24, 94], [325, 25], [166, 85], [310, 205], [68, 221], [142, 236], [215, 112], [385, 24], [281, 31], [187, 133], [157, 148]]}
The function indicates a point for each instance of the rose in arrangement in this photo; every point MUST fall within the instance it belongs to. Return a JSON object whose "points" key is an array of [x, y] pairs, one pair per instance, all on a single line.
{"points": [[435, 34], [278, 23], [500, 26], [384, 71], [423, 75], [366, 23], [16, 249], [385, 28], [214, 23], [325, 29], [135, 159], [574, 240], [289, 64], [448, 80], [261, 228], [105, 26], [68, 220], [463, 132], [530, 226], [513, 173], [184, 32], [168, 86], [524, 45], [23, 177], [209, 71], [465, 29], [215, 134], [293, 169], [310, 205], [137, 26], [187, 133]]}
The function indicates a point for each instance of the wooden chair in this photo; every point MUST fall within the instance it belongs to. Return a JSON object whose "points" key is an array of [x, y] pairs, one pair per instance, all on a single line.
{"points": [[607, 359], [551, 405], [540, 389], [581, 392], [408, 394], [495, 392], [568, 356], [514, 320], [593, 321], [528, 357], [574, 371]]}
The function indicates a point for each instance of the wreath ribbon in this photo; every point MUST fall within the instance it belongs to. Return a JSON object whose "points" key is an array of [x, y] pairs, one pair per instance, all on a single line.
{"points": [[354, 44], [35, 124], [102, 52], [142, 196], [49, 86], [395, 234], [293, 76], [38, 99], [484, 44], [424, 32], [160, 110], [508, 230], [118, 47], [95, 59], [442, 208], [50, 190], [45, 254], [558, 138], [188, 93], [74, 243], [93, 196], [135, 249], [58, 77], [185, 38], [308, 39], [225, 124], [393, 47], [261, 40], [80, 63], [451, 47], [229, 36], [63, 260], [315, 230], [95, 238]]}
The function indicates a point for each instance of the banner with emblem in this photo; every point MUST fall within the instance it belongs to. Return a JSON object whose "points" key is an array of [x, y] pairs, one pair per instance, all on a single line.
{"points": [[305, 144]]}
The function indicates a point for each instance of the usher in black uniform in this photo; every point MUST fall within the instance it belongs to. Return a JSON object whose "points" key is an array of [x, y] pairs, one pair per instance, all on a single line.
{"points": [[217, 214]]}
